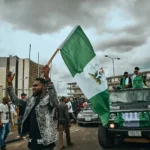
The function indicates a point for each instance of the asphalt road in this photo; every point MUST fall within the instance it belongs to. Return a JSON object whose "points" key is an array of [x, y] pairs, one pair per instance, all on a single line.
{"points": [[84, 138]]}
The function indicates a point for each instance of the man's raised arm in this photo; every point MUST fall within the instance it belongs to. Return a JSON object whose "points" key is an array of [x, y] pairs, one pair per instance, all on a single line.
{"points": [[50, 87], [15, 100]]}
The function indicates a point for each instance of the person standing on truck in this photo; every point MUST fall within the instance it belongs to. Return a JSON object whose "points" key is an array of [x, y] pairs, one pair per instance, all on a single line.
{"points": [[126, 81], [137, 79]]}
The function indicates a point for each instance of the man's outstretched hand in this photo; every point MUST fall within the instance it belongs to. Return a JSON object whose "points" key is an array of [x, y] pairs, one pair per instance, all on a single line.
{"points": [[10, 78], [46, 71]]}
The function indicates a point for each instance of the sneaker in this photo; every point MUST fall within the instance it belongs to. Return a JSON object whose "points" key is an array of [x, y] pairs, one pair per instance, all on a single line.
{"points": [[18, 137], [24, 137]]}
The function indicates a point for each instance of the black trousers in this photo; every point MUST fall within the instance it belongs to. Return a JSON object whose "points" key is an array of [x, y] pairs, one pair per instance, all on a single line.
{"points": [[67, 130]]}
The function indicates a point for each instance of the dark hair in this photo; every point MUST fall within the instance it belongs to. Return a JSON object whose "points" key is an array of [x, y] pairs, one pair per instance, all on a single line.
{"points": [[136, 68], [62, 98], [41, 80], [125, 73], [23, 94], [5, 98]]}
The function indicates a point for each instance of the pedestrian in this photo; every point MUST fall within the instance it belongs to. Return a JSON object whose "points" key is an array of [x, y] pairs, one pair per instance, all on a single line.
{"points": [[84, 103], [13, 113], [63, 122], [38, 119], [20, 112], [5, 120], [74, 107], [70, 110]]}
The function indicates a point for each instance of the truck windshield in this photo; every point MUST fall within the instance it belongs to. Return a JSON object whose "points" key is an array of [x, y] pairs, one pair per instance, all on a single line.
{"points": [[129, 96]]}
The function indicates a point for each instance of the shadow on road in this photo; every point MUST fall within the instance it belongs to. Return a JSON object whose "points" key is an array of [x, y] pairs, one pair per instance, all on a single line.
{"points": [[131, 146], [89, 125]]}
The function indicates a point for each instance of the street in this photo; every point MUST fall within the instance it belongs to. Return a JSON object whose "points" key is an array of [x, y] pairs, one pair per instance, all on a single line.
{"points": [[84, 138]]}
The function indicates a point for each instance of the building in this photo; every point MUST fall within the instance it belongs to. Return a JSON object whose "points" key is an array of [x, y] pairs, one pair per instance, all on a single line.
{"points": [[75, 91], [26, 72]]}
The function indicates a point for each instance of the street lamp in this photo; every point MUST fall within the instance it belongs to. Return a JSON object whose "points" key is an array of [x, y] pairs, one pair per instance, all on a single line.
{"points": [[112, 63]]}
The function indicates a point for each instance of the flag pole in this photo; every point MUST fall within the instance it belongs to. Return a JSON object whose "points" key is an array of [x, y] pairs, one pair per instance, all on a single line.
{"points": [[50, 60]]}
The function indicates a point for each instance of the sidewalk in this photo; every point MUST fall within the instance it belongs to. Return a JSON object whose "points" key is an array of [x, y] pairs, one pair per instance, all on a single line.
{"points": [[12, 137]]}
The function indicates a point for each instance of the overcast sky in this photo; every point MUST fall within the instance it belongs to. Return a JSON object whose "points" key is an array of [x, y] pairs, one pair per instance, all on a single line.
{"points": [[118, 28]]}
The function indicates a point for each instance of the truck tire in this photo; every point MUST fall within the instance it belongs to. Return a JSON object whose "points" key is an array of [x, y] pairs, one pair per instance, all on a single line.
{"points": [[105, 140]]}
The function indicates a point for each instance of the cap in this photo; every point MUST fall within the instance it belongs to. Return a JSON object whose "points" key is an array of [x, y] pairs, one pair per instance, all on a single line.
{"points": [[23, 94]]}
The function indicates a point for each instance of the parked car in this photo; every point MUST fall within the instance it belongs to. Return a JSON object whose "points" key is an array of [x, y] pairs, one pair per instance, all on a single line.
{"points": [[87, 116]]}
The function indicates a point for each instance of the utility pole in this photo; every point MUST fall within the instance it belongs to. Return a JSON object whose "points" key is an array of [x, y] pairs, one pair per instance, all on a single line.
{"points": [[29, 67], [38, 66]]}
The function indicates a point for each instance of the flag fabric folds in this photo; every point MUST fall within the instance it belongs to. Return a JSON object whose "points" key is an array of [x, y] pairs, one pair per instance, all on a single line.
{"points": [[80, 58]]}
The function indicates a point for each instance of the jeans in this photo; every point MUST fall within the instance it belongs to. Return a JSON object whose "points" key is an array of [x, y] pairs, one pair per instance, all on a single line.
{"points": [[19, 125], [4, 131]]}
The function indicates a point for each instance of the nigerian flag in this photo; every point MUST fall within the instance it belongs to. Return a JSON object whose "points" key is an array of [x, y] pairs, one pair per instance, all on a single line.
{"points": [[133, 119], [78, 54]]}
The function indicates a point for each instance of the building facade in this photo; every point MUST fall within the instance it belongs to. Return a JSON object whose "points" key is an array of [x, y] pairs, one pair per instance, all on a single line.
{"points": [[26, 72], [75, 91]]}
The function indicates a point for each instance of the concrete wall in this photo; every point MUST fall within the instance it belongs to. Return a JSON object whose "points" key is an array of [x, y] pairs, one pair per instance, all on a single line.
{"points": [[3, 73], [20, 76], [1, 93]]}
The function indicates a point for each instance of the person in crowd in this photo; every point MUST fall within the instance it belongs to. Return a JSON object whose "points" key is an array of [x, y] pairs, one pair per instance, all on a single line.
{"points": [[37, 120], [126, 81], [63, 123], [84, 103], [5, 120], [20, 112], [75, 106], [80, 106], [70, 109], [13, 113], [137, 79]]}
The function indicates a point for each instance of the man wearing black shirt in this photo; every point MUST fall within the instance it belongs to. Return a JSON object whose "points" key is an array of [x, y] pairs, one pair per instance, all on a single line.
{"points": [[20, 112], [38, 120]]}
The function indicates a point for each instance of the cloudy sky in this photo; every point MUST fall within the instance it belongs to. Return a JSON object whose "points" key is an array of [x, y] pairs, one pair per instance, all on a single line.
{"points": [[119, 28]]}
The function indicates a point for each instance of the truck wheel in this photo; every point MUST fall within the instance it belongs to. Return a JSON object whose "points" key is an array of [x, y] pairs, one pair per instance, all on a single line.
{"points": [[105, 140]]}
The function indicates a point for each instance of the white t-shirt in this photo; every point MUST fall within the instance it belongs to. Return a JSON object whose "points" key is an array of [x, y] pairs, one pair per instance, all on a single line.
{"points": [[70, 110], [4, 113], [126, 81], [133, 77]]}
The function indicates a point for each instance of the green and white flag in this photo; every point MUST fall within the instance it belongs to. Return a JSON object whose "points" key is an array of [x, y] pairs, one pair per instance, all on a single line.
{"points": [[133, 119], [79, 56]]}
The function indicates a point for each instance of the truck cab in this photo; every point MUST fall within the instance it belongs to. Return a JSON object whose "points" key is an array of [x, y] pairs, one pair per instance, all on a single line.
{"points": [[129, 116]]}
